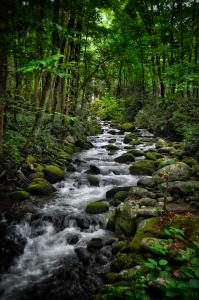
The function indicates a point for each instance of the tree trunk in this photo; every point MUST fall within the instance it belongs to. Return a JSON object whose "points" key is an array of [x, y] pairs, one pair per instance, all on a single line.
{"points": [[3, 67]]}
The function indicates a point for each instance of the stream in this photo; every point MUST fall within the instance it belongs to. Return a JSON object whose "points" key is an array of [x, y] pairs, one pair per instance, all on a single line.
{"points": [[54, 262]]}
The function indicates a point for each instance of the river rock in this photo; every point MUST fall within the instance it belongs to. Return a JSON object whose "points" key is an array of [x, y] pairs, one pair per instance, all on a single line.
{"points": [[127, 127], [147, 202], [152, 155], [130, 137], [97, 207], [40, 186], [177, 171], [149, 182], [142, 167], [182, 188], [190, 161], [125, 158], [166, 162], [139, 192], [20, 195], [93, 170], [111, 193], [86, 145], [83, 255], [95, 244], [53, 173], [161, 143], [111, 147], [93, 181], [119, 197], [136, 153], [166, 150]]}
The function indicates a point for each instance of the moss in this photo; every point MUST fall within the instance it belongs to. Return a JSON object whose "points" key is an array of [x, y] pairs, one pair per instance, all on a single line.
{"points": [[127, 126], [111, 147], [37, 175], [165, 162], [38, 167], [53, 173], [142, 167], [69, 148], [120, 196], [190, 161], [122, 261], [97, 207], [119, 246], [161, 143], [125, 158], [20, 195], [40, 186], [129, 137], [145, 229], [30, 159], [152, 155], [65, 155]]}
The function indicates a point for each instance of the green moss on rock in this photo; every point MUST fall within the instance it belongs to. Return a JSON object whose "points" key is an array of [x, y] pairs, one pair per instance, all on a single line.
{"points": [[53, 173], [142, 167], [97, 207], [125, 158], [40, 186], [20, 195]]}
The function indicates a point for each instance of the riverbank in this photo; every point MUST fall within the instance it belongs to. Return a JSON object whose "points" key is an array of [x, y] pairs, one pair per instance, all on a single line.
{"points": [[143, 185]]}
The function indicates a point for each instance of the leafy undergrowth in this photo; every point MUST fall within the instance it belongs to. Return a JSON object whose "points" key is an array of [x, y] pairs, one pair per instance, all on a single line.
{"points": [[167, 268]]}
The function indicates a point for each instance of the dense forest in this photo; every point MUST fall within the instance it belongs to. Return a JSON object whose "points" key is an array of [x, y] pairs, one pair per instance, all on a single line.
{"points": [[63, 60], [81, 82]]}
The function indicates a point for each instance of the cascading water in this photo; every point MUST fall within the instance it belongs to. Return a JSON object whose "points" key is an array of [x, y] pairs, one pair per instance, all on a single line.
{"points": [[49, 265]]}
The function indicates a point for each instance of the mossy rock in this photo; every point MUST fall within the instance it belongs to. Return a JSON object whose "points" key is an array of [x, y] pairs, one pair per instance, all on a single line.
{"points": [[190, 161], [174, 172], [111, 193], [135, 142], [97, 207], [121, 195], [130, 137], [65, 155], [122, 261], [124, 221], [136, 153], [150, 182], [182, 188], [111, 141], [143, 167], [146, 228], [93, 181], [94, 244], [53, 173], [119, 246], [20, 195], [40, 186], [30, 159], [36, 175], [38, 167], [166, 162], [152, 155], [125, 158], [111, 147], [161, 143], [137, 192], [127, 127]]}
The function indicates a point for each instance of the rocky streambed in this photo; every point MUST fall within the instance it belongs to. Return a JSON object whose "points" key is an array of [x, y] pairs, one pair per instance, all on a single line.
{"points": [[68, 241]]}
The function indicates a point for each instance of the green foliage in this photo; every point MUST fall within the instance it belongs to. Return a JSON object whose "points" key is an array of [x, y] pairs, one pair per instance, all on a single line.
{"points": [[110, 108]]}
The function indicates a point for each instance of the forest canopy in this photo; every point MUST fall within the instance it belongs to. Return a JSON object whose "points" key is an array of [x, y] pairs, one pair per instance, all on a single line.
{"points": [[61, 62]]}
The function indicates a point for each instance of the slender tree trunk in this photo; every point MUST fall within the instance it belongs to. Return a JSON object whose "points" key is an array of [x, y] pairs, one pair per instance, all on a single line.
{"points": [[40, 112], [3, 67]]}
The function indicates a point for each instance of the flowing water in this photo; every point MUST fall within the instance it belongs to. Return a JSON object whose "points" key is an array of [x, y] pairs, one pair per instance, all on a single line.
{"points": [[48, 266]]}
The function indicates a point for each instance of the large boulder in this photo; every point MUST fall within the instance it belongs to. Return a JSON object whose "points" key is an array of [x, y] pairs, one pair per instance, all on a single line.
{"points": [[182, 188], [130, 137], [139, 192], [152, 155], [40, 186], [111, 193], [97, 207], [53, 173], [174, 172], [142, 167], [161, 143], [125, 158], [149, 182], [165, 162], [20, 195]]}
